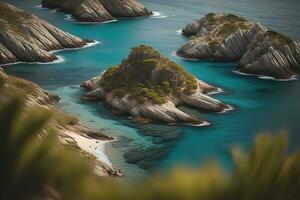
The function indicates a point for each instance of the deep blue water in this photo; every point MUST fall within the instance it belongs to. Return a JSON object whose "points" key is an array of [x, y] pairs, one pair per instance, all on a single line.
{"points": [[259, 104]]}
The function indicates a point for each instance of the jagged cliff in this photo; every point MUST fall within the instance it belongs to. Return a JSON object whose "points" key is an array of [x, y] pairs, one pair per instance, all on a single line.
{"points": [[98, 10], [69, 128], [26, 38], [150, 86], [227, 37]]}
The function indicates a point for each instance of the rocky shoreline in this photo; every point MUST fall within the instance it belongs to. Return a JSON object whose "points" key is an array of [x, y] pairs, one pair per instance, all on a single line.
{"points": [[26, 38], [98, 10], [151, 89], [70, 131], [258, 51]]}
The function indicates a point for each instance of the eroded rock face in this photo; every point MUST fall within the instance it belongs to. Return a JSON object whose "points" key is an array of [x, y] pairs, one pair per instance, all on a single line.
{"points": [[26, 38], [226, 37], [91, 11], [125, 8], [271, 54], [99, 10], [150, 86]]}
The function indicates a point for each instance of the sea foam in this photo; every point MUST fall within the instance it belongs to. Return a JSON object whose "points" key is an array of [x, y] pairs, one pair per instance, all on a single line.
{"points": [[292, 78]]}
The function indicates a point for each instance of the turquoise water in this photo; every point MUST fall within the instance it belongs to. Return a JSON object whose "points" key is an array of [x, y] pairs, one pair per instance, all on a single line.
{"points": [[259, 104]]}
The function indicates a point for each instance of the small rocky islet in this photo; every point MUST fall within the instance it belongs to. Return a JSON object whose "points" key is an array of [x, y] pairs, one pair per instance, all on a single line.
{"points": [[149, 86], [26, 38], [98, 10], [258, 51]]}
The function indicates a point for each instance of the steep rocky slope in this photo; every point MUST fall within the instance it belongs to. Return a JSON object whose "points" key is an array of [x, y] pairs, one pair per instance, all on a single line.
{"points": [[26, 38], [69, 128], [98, 10], [227, 37], [149, 86]]}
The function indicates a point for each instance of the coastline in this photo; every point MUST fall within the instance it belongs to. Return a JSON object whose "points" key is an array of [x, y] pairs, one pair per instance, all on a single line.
{"points": [[69, 17], [156, 15], [92, 146], [95, 147], [59, 59], [86, 23], [88, 45]]}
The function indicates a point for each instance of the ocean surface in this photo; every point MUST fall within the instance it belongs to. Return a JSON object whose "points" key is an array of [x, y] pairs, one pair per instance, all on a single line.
{"points": [[260, 105]]}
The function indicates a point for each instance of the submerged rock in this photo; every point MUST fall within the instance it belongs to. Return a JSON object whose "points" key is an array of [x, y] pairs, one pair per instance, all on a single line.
{"points": [[26, 38], [98, 10], [227, 37], [150, 86], [146, 158]]}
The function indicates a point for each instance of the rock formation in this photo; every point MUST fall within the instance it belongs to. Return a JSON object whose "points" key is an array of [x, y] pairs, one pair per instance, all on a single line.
{"points": [[149, 86], [227, 37], [26, 38], [98, 10], [67, 126]]}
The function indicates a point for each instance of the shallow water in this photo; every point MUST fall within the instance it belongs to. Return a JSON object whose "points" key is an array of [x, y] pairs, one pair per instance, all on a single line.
{"points": [[259, 104]]}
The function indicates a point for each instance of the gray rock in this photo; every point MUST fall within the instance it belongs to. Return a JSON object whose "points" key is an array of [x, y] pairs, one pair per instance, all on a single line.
{"points": [[226, 37], [271, 55], [92, 11], [6, 56], [125, 8], [26, 38], [167, 112]]}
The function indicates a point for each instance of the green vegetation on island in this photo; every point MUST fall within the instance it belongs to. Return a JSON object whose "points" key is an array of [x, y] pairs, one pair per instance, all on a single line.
{"points": [[146, 74], [230, 23]]}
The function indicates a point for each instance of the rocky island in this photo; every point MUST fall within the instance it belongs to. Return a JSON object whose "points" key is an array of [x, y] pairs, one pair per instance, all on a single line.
{"points": [[98, 10], [149, 86], [258, 51], [72, 134], [26, 38]]}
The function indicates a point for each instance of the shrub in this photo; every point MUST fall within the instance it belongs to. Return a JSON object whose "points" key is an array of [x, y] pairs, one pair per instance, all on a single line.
{"points": [[119, 92], [188, 91], [214, 43], [166, 87], [138, 83], [228, 29], [278, 37]]}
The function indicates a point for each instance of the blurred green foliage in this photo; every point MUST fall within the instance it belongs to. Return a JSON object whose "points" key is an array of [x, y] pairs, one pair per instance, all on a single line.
{"points": [[34, 165]]}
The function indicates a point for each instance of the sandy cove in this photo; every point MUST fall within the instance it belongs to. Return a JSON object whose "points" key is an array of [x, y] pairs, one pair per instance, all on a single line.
{"points": [[95, 147]]}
